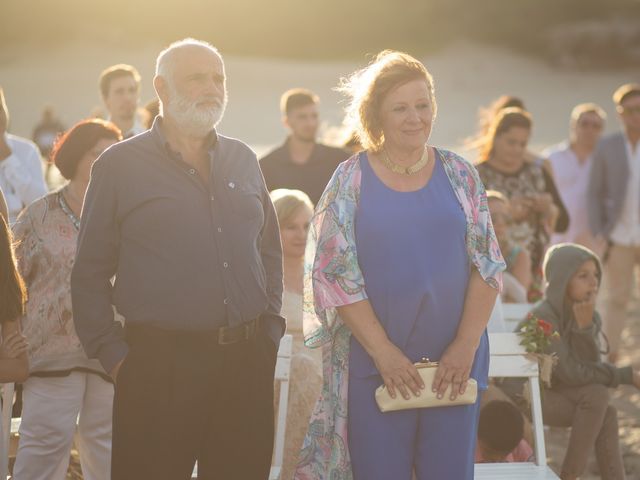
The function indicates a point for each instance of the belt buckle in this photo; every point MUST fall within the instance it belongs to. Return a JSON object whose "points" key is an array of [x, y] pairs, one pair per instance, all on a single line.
{"points": [[243, 331], [222, 338]]}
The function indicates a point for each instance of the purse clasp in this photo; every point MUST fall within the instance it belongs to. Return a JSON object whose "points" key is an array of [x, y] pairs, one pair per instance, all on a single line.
{"points": [[426, 363]]}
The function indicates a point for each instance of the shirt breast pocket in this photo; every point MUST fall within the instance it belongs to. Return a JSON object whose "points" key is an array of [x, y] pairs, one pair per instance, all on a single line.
{"points": [[244, 199]]}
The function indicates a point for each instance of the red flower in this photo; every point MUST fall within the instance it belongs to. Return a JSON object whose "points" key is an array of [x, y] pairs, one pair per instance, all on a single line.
{"points": [[546, 327], [536, 334]]}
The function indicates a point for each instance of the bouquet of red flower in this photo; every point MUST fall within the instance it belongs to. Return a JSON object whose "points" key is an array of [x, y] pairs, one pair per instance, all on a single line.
{"points": [[536, 334], [536, 337]]}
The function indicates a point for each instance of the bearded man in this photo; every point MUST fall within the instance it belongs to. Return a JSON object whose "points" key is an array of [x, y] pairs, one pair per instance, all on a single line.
{"points": [[180, 215]]}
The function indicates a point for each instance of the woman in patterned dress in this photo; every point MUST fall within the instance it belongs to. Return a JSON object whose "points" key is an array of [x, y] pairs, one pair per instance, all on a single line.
{"points": [[536, 207], [64, 386]]}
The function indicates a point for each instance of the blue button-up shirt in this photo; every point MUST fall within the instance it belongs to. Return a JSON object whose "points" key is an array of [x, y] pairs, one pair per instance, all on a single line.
{"points": [[186, 254]]}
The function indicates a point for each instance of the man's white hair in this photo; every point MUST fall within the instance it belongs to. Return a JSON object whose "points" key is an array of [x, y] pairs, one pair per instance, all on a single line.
{"points": [[165, 61]]}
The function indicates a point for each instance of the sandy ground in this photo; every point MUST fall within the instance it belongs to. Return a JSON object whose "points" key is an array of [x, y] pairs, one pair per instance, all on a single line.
{"points": [[466, 76]]}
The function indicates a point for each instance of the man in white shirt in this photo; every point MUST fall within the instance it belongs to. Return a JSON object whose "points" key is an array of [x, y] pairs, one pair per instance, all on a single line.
{"points": [[21, 177], [570, 162], [614, 210], [120, 90]]}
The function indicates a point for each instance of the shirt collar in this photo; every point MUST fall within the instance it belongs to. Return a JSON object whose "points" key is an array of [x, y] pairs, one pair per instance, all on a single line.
{"points": [[158, 135]]}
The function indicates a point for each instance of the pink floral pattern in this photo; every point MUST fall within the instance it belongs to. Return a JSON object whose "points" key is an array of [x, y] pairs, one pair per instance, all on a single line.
{"points": [[46, 246]]}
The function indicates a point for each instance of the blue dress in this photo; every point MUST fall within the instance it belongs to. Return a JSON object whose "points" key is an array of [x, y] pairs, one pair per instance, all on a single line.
{"points": [[412, 253]]}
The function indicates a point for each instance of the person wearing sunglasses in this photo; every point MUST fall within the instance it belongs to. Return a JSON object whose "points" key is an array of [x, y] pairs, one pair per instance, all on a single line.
{"points": [[614, 210]]}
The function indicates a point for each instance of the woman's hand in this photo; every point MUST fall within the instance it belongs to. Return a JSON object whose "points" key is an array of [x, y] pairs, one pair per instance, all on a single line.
{"points": [[13, 346], [455, 367], [543, 203], [520, 207], [397, 371], [583, 312]]}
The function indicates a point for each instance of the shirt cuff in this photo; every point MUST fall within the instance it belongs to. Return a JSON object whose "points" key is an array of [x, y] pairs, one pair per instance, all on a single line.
{"points": [[274, 326], [111, 354], [625, 375], [589, 331]]}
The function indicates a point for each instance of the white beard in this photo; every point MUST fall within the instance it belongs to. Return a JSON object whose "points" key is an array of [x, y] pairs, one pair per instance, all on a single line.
{"points": [[193, 120]]}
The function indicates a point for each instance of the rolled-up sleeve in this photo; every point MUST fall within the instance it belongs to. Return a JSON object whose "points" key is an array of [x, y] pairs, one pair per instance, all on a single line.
{"points": [[96, 263], [483, 246], [332, 273]]}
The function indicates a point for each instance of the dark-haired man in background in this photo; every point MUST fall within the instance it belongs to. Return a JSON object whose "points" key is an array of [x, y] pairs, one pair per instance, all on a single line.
{"points": [[120, 90], [301, 162]]}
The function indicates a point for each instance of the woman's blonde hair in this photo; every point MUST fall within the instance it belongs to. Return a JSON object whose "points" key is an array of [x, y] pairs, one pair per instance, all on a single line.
{"points": [[13, 292], [287, 202], [496, 195], [504, 121], [367, 88]]}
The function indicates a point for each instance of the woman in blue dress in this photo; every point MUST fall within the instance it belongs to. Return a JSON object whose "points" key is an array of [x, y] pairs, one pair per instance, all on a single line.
{"points": [[404, 264]]}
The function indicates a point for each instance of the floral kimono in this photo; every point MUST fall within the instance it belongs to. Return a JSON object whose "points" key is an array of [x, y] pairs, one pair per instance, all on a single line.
{"points": [[333, 279]]}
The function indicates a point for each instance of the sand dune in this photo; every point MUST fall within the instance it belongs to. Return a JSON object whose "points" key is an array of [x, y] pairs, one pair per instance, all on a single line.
{"points": [[466, 76]]}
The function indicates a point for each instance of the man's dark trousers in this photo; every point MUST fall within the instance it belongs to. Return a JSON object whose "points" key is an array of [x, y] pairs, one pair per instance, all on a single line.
{"points": [[183, 396]]}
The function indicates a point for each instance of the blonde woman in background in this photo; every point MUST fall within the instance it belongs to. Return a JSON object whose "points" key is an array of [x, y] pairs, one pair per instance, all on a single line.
{"points": [[294, 210]]}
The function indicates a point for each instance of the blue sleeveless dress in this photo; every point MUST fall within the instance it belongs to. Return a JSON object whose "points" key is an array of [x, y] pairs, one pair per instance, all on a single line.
{"points": [[412, 253]]}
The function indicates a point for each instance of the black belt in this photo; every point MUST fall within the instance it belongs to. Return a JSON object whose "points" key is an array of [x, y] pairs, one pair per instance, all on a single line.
{"points": [[221, 336]]}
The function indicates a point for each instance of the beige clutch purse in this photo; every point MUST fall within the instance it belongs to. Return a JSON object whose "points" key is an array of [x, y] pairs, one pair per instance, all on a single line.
{"points": [[427, 398]]}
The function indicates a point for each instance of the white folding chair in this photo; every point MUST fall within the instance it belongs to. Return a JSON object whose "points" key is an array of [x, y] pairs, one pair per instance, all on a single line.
{"points": [[508, 360], [283, 368], [514, 313], [8, 390]]}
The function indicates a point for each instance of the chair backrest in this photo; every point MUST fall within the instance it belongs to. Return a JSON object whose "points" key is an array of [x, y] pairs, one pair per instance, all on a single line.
{"points": [[508, 359], [514, 313], [5, 427], [283, 368]]}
